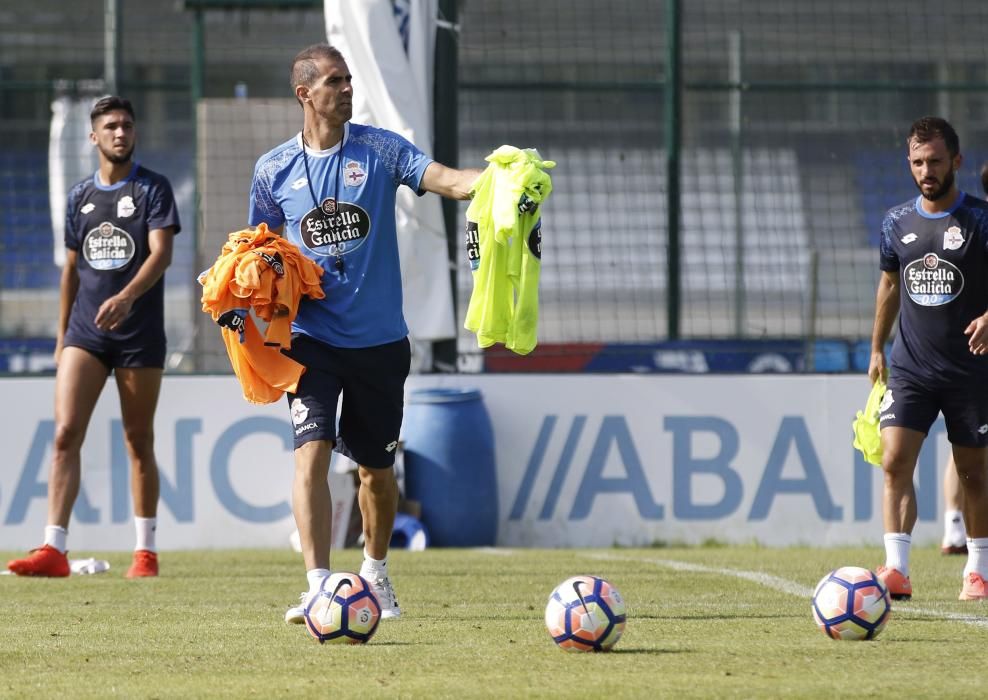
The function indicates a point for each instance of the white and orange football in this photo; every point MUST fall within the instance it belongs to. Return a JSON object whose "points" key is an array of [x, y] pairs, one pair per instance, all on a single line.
{"points": [[585, 613], [851, 603]]}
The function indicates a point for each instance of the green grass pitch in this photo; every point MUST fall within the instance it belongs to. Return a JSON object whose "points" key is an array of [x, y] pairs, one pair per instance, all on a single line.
{"points": [[708, 622]]}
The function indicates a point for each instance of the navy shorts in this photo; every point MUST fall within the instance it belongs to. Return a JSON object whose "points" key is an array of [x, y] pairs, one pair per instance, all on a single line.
{"points": [[372, 381], [147, 354], [911, 403]]}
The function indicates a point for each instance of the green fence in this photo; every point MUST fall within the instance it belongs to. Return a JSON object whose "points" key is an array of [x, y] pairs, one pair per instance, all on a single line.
{"points": [[723, 165]]}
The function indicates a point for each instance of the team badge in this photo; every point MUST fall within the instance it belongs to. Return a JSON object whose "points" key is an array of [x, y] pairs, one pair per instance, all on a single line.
{"points": [[125, 206], [299, 411], [953, 238], [353, 174], [887, 401]]}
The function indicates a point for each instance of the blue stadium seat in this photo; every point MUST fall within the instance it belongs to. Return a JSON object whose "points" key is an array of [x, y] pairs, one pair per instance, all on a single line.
{"points": [[830, 356], [25, 220], [884, 181], [861, 355]]}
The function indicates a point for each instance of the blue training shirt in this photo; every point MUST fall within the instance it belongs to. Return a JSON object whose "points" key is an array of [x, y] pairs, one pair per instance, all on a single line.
{"points": [[942, 260], [338, 207]]}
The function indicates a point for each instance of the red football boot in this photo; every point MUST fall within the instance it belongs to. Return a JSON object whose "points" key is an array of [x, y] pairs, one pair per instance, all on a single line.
{"points": [[145, 564], [43, 561], [895, 582]]}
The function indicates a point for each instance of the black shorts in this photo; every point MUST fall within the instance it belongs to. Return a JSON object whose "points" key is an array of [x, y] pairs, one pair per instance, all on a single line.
{"points": [[147, 354], [372, 381], [911, 403]]}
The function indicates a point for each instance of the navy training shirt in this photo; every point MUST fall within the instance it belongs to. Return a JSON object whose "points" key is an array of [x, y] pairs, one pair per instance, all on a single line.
{"points": [[942, 260], [108, 227]]}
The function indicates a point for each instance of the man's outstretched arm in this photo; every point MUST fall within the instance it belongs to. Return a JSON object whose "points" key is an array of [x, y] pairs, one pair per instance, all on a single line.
{"points": [[449, 182]]}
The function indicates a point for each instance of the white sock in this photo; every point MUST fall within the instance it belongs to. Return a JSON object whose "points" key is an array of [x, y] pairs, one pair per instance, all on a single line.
{"points": [[897, 551], [55, 536], [977, 556], [145, 533], [953, 528], [373, 568], [315, 577]]}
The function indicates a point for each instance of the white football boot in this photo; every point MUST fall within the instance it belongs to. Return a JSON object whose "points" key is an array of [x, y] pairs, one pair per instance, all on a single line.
{"points": [[385, 593], [295, 615]]}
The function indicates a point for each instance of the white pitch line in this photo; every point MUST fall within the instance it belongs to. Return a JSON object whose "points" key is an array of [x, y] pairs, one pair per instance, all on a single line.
{"points": [[786, 586], [499, 551]]}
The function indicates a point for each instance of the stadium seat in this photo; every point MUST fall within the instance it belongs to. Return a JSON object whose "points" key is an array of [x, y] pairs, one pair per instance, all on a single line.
{"points": [[830, 356]]}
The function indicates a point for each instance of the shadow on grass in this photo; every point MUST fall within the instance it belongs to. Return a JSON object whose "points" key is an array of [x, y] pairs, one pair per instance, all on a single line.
{"points": [[715, 616], [649, 652]]}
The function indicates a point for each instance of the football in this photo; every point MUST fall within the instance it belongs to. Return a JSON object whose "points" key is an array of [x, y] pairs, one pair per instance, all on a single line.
{"points": [[585, 613], [851, 603], [344, 611]]}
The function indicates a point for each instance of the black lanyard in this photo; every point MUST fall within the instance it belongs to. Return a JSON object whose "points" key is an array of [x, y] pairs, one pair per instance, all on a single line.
{"points": [[336, 194]]}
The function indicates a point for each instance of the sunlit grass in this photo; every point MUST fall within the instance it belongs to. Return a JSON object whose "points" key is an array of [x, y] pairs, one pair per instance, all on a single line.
{"points": [[211, 626]]}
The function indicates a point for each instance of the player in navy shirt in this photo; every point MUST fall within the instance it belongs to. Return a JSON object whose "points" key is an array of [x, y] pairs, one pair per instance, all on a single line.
{"points": [[331, 191], [118, 238], [934, 262], [954, 535]]}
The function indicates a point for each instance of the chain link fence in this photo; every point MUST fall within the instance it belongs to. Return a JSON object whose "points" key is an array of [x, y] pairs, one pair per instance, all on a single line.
{"points": [[788, 137]]}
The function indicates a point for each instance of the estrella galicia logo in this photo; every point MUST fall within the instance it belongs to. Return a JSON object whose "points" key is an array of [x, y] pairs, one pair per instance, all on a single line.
{"points": [[932, 281], [107, 247], [334, 228], [473, 244], [535, 240]]}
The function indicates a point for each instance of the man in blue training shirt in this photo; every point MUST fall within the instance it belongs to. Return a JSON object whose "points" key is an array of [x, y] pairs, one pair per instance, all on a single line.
{"points": [[331, 191], [934, 262], [119, 228]]}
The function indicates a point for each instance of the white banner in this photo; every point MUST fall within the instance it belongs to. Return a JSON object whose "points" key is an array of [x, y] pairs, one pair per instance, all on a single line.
{"points": [[389, 49], [598, 460], [581, 461], [71, 157], [226, 470]]}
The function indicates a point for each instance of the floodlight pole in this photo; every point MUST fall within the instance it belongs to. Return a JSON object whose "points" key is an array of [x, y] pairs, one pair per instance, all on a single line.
{"points": [[735, 62], [446, 150], [196, 82], [111, 45], [673, 84]]}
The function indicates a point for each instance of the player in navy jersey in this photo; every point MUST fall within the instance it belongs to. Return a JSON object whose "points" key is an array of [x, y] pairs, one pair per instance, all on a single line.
{"points": [[954, 535], [934, 263], [331, 190], [118, 238]]}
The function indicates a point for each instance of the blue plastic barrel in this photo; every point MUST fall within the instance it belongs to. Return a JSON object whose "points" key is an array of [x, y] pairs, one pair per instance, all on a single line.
{"points": [[408, 533], [449, 466]]}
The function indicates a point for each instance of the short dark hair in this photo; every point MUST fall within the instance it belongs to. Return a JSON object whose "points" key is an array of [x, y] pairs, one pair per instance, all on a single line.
{"points": [[108, 104], [928, 128], [304, 71]]}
